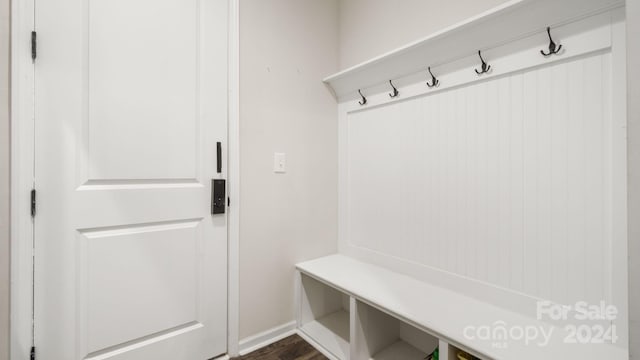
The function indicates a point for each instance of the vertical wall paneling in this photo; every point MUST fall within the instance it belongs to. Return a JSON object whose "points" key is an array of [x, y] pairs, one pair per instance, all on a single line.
{"points": [[505, 181], [559, 186], [575, 193], [516, 184]]}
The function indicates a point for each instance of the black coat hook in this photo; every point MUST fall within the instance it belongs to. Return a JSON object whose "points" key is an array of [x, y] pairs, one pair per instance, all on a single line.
{"points": [[364, 99], [553, 47], [395, 91], [434, 81], [484, 67]]}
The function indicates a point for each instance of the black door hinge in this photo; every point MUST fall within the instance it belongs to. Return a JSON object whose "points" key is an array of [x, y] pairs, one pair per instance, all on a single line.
{"points": [[33, 202], [33, 353], [34, 51], [228, 201]]}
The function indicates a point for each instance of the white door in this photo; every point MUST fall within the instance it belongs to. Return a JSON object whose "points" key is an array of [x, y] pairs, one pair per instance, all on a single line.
{"points": [[131, 98]]}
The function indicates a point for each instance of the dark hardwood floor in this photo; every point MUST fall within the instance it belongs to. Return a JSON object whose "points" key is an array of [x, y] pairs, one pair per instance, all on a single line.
{"points": [[291, 348]]}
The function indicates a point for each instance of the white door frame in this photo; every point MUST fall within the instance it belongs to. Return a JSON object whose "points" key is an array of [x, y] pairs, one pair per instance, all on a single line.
{"points": [[233, 161], [22, 174]]}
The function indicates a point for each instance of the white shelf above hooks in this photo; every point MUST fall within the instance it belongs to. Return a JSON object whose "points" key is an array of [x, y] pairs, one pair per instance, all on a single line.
{"points": [[508, 22]]}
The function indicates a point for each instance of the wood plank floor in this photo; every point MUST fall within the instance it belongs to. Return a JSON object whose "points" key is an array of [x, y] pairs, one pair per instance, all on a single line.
{"points": [[291, 348]]}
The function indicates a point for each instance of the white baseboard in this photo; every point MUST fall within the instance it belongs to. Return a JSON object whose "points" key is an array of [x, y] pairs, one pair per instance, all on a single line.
{"points": [[634, 340], [266, 338]]}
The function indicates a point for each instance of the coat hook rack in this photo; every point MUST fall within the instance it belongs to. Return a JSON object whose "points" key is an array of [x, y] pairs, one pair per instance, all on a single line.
{"points": [[484, 67], [553, 47], [395, 91], [434, 81], [364, 99]]}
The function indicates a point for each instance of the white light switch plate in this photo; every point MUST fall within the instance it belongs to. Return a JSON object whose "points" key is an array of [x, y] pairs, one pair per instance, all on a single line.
{"points": [[279, 163]]}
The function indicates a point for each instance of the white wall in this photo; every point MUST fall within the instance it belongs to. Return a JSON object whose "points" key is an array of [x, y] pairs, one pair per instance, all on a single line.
{"points": [[4, 179], [633, 115], [370, 28], [286, 48]]}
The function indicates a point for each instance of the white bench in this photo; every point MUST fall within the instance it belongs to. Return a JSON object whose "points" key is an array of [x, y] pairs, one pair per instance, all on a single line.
{"points": [[352, 310]]}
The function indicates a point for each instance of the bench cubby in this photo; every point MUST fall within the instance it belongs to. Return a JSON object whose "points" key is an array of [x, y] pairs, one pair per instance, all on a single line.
{"points": [[380, 336], [324, 316], [452, 354]]}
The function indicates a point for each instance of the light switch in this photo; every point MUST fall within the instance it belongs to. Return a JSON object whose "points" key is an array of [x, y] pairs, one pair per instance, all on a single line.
{"points": [[279, 163]]}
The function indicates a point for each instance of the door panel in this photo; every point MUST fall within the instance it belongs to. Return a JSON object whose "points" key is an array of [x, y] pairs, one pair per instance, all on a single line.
{"points": [[150, 55], [155, 271], [131, 98]]}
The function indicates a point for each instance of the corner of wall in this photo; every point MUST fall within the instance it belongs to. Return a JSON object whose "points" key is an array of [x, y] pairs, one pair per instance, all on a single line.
{"points": [[633, 128], [5, 151]]}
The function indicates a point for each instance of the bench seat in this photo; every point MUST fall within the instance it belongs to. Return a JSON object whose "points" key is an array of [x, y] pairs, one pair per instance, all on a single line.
{"points": [[443, 313]]}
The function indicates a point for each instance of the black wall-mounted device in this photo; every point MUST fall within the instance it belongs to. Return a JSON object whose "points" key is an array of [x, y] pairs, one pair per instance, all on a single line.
{"points": [[218, 195]]}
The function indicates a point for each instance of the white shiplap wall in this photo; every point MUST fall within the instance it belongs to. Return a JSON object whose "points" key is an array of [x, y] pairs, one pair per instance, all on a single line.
{"points": [[506, 181]]}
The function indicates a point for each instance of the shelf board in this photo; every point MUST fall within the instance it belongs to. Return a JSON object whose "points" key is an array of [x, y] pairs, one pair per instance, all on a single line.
{"points": [[332, 332], [400, 350], [508, 22]]}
